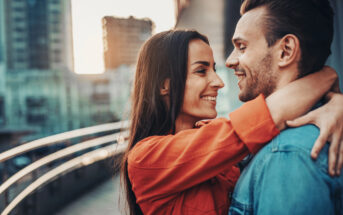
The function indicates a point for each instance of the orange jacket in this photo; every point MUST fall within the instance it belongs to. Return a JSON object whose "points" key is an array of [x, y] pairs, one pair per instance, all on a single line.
{"points": [[193, 172]]}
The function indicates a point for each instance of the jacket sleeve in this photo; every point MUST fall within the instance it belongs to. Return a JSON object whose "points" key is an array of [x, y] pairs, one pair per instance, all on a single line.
{"points": [[161, 165]]}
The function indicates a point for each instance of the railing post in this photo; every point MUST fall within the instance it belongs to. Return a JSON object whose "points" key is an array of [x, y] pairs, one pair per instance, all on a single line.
{"points": [[4, 177]]}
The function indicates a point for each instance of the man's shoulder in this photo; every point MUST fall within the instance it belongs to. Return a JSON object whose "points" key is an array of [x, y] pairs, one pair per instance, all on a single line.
{"points": [[293, 139], [297, 141], [300, 137]]}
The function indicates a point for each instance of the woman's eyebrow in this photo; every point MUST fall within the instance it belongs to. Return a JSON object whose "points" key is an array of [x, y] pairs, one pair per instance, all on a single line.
{"points": [[202, 62]]}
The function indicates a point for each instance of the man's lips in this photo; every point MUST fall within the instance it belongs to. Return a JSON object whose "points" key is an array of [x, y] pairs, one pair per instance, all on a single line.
{"points": [[239, 73]]}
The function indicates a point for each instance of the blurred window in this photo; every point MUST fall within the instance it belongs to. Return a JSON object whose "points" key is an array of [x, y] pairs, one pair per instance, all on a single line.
{"points": [[57, 59], [19, 19], [36, 107], [32, 118], [20, 50], [2, 110], [55, 1], [19, 39], [35, 102], [18, 9], [19, 29], [56, 40]]}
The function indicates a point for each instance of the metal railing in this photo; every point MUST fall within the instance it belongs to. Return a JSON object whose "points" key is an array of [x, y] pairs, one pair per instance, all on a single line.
{"points": [[102, 148]]}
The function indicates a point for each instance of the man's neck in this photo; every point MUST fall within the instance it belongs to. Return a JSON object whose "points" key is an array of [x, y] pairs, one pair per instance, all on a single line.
{"points": [[287, 76]]}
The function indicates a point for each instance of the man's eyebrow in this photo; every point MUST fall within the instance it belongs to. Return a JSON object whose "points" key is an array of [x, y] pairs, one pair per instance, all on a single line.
{"points": [[205, 63], [237, 39]]}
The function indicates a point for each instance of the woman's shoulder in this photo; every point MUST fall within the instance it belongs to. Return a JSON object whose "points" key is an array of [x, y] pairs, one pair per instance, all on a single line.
{"points": [[145, 146]]}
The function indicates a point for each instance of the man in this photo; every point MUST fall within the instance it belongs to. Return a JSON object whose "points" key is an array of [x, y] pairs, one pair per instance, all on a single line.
{"points": [[276, 42]]}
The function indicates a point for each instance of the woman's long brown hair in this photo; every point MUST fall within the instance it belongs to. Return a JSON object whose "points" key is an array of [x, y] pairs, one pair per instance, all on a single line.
{"points": [[164, 56]]}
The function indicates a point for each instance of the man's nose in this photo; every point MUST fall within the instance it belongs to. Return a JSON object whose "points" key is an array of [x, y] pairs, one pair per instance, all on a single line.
{"points": [[231, 62]]}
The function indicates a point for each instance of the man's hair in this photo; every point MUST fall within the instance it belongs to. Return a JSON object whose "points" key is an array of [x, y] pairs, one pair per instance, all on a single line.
{"points": [[311, 21]]}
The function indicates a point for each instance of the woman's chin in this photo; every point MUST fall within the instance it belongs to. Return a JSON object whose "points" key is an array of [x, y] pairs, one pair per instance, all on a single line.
{"points": [[211, 115]]}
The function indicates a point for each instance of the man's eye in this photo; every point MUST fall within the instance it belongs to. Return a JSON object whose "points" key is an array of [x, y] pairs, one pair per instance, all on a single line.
{"points": [[241, 47]]}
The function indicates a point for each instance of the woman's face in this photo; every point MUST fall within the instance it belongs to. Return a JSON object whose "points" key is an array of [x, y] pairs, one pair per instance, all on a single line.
{"points": [[202, 84]]}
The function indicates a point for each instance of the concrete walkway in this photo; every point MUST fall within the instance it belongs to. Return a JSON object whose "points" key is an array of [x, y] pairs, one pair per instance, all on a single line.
{"points": [[102, 200]]}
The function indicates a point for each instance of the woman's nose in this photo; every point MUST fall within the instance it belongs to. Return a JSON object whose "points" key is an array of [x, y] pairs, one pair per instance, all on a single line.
{"points": [[217, 81]]}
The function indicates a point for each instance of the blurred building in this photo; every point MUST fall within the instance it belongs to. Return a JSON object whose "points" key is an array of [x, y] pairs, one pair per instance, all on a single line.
{"points": [[179, 6], [38, 34], [105, 97], [123, 38], [37, 56], [210, 22], [110, 91], [2, 69]]}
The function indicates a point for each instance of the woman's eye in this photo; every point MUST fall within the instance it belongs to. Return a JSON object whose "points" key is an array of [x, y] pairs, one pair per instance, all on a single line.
{"points": [[201, 71]]}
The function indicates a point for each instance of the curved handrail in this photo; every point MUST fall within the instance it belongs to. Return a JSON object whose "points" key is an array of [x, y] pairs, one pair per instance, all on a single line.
{"points": [[80, 161], [60, 137], [60, 154]]}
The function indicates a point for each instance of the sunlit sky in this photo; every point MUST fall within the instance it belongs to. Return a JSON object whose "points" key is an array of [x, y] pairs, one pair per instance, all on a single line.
{"points": [[87, 27]]}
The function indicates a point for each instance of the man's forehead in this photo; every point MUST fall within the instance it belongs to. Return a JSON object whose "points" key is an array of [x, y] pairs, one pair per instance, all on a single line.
{"points": [[250, 25]]}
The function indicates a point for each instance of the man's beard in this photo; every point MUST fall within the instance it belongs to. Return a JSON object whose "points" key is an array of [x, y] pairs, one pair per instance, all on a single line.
{"points": [[263, 80]]}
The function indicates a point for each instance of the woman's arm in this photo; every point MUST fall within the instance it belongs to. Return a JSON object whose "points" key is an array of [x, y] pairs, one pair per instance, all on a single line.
{"points": [[193, 156], [299, 96]]}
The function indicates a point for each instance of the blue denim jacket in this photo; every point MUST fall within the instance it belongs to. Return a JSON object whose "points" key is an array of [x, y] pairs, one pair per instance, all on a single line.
{"points": [[283, 179]]}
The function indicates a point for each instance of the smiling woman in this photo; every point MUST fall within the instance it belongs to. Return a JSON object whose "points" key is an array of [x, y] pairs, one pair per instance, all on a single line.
{"points": [[202, 85], [86, 18], [172, 166]]}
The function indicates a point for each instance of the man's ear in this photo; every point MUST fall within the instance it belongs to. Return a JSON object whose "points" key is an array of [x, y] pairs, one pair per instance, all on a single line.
{"points": [[289, 50], [164, 90]]}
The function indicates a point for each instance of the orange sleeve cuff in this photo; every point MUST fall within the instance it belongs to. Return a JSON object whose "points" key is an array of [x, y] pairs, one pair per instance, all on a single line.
{"points": [[253, 124]]}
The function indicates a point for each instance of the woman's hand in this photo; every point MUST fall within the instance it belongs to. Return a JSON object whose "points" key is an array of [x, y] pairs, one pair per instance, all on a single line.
{"points": [[329, 119]]}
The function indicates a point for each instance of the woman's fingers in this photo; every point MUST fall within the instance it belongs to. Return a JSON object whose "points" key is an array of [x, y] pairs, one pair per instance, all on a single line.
{"points": [[340, 159], [320, 143], [333, 152], [302, 120], [339, 163], [328, 119]]}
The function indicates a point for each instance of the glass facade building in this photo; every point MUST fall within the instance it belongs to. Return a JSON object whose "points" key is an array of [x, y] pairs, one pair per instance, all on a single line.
{"points": [[37, 70]]}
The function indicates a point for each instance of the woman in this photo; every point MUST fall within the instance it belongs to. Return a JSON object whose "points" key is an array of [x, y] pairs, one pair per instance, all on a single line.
{"points": [[171, 167]]}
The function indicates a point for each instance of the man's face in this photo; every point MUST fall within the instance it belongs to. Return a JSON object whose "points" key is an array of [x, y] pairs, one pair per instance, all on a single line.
{"points": [[252, 59]]}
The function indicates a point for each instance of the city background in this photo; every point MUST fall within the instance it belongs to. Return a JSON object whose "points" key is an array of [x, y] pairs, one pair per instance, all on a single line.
{"points": [[46, 87], [40, 92]]}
